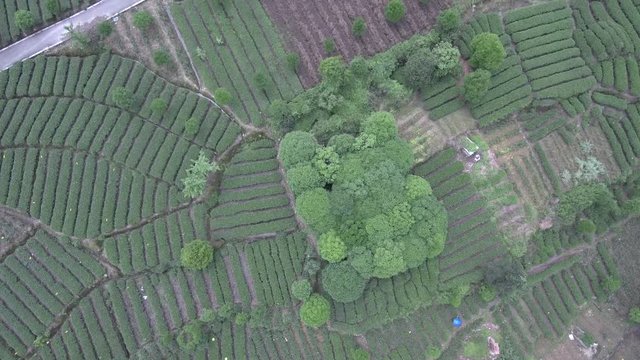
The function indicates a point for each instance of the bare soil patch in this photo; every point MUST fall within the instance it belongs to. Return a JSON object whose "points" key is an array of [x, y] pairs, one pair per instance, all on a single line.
{"points": [[306, 24]]}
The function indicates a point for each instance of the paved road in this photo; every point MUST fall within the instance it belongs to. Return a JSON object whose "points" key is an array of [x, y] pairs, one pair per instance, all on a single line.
{"points": [[55, 34]]}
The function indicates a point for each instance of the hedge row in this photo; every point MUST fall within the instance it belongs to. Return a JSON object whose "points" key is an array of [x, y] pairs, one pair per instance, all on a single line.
{"points": [[565, 54], [547, 129], [559, 78], [567, 89], [445, 109], [634, 76], [543, 40], [451, 185], [558, 67], [498, 115], [621, 17], [536, 20], [441, 98], [534, 32], [616, 147], [609, 100], [445, 173], [614, 123], [573, 106], [548, 169], [435, 162], [502, 102], [553, 269], [547, 48], [529, 11]]}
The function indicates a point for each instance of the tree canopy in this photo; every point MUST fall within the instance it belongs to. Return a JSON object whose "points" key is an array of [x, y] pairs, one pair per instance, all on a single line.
{"points": [[476, 85], [315, 311], [394, 11], [487, 51], [24, 19], [196, 255], [372, 218]]}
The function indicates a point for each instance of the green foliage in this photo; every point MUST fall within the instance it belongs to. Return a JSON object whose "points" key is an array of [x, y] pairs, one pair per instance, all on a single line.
{"points": [[388, 259], [417, 187], [487, 51], [456, 295], [586, 226], [579, 199], [507, 277], [293, 61], [161, 57], [333, 70], [304, 177], [447, 59], [611, 284], [122, 97], [327, 163], [415, 251], [433, 352], [222, 96], [190, 336], [315, 209], [359, 27], [634, 315], [449, 21], [431, 224], [329, 46], [196, 255], [191, 126], [401, 220], [301, 289], [207, 316], [260, 81], [331, 247], [158, 106], [487, 293], [297, 147], [359, 354], [142, 20], [280, 116], [381, 125], [315, 311], [476, 85], [196, 180], [53, 7], [420, 68], [394, 11], [105, 28], [342, 282], [241, 318], [361, 260], [24, 20]]}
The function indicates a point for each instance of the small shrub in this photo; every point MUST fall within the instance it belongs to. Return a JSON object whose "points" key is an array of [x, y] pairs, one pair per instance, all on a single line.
{"points": [[301, 289], [329, 46], [190, 336], [331, 247], [315, 311], [476, 85], [634, 315], [142, 20], [586, 226], [53, 7], [122, 97], [196, 255], [394, 11], [191, 126], [611, 284], [359, 27], [105, 28], [161, 57], [222, 96], [487, 293], [261, 81], [293, 61], [158, 106], [432, 352], [24, 19], [449, 21]]}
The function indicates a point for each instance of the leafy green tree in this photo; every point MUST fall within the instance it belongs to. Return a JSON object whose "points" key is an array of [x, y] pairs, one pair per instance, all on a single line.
{"points": [[53, 7], [487, 293], [476, 85], [394, 11], [448, 21], [419, 70], [487, 51], [634, 315], [457, 294], [158, 106], [191, 126], [358, 27], [222, 96], [432, 352], [196, 255], [304, 177], [161, 57], [378, 228], [507, 277], [24, 20], [341, 143], [327, 162], [105, 29], [331, 248], [431, 224], [361, 259], [122, 97], [261, 81], [142, 20], [415, 251], [401, 220], [611, 284], [382, 125], [315, 311], [329, 46], [417, 187], [297, 147], [333, 70], [586, 226], [293, 61], [314, 207], [190, 336], [342, 282], [447, 59], [388, 260], [196, 180], [301, 289]]}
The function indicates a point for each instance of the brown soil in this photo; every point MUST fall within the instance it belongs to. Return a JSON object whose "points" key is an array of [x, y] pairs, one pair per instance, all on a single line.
{"points": [[306, 24]]}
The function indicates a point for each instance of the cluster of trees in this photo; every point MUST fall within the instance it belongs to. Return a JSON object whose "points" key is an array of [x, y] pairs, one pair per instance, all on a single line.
{"points": [[373, 218], [487, 54]]}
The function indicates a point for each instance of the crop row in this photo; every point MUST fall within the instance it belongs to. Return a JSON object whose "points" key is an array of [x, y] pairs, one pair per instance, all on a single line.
{"points": [[274, 265], [548, 169], [615, 143], [37, 282], [530, 11], [435, 162], [9, 32], [546, 129], [442, 99], [628, 19], [613, 101], [478, 24], [577, 104], [619, 72], [239, 41], [445, 109]]}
